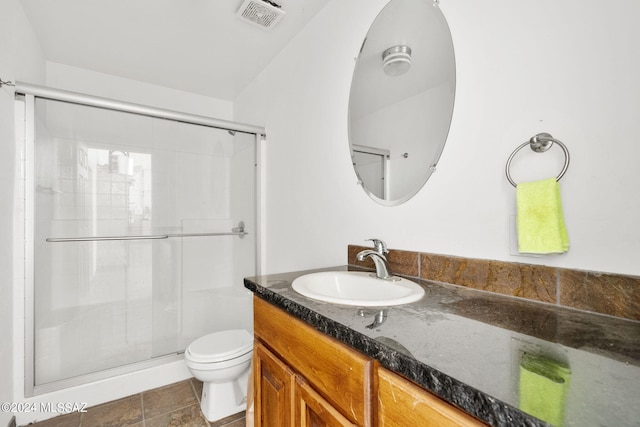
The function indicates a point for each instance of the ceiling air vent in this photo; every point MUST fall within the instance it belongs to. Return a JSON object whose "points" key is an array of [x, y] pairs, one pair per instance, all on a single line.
{"points": [[264, 14]]}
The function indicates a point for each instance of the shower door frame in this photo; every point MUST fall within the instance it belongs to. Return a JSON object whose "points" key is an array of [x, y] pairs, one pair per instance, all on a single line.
{"points": [[29, 93]]}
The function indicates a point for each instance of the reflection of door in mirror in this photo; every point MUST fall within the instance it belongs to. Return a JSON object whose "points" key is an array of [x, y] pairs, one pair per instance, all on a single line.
{"points": [[372, 166], [402, 95]]}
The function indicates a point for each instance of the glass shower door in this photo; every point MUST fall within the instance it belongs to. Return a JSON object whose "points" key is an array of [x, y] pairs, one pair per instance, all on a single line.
{"points": [[143, 231]]}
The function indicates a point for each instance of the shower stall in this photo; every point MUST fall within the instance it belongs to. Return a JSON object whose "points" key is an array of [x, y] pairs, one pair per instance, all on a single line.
{"points": [[140, 225]]}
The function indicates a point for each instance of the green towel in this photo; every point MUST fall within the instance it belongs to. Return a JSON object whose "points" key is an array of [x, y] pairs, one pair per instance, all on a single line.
{"points": [[543, 386], [541, 227]]}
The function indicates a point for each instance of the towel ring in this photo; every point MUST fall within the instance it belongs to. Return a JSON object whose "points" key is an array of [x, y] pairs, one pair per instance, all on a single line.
{"points": [[540, 143]]}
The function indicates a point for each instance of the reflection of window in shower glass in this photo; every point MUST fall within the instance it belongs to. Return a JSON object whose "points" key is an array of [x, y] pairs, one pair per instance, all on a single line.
{"points": [[371, 164], [121, 188], [119, 191]]}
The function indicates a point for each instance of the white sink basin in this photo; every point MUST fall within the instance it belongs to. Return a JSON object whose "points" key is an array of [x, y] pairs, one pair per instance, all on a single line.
{"points": [[357, 288]]}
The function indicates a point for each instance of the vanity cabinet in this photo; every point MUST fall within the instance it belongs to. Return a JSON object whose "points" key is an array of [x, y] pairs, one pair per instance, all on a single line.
{"points": [[304, 378], [402, 403]]}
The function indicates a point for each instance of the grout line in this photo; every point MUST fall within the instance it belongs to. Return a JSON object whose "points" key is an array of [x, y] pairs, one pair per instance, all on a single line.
{"points": [[144, 421], [558, 284], [195, 392]]}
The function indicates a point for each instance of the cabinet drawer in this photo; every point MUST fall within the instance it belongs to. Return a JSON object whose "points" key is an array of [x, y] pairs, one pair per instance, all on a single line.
{"points": [[402, 403], [338, 373]]}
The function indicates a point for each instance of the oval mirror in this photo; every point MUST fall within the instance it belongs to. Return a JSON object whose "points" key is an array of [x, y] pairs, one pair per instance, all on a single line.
{"points": [[401, 99]]}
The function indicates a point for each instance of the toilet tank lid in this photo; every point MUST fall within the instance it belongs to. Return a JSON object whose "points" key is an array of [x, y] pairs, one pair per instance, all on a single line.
{"points": [[220, 346]]}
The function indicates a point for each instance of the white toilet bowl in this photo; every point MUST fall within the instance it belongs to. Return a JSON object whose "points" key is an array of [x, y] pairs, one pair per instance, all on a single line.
{"points": [[221, 361]]}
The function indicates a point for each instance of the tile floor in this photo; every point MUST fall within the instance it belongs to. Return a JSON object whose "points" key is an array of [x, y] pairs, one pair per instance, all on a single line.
{"points": [[173, 405]]}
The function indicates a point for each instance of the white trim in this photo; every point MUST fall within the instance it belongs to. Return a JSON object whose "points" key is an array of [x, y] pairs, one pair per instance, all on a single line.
{"points": [[260, 204], [29, 268]]}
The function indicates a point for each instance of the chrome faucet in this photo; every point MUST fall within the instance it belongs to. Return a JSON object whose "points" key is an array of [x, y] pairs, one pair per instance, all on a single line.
{"points": [[380, 246], [379, 259]]}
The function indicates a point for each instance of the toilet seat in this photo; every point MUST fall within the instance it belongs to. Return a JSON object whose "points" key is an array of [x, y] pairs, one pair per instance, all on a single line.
{"points": [[220, 346]]}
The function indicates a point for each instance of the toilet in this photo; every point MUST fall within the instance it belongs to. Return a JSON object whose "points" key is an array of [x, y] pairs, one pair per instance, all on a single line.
{"points": [[221, 360]]}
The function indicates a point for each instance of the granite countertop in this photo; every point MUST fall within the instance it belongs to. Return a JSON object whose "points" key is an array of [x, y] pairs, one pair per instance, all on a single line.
{"points": [[466, 345]]}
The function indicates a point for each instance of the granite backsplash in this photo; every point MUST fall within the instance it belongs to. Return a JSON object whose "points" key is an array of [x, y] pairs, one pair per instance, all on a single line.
{"points": [[612, 294]]}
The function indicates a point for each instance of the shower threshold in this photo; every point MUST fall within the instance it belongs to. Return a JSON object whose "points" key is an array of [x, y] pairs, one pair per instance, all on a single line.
{"points": [[104, 374]]}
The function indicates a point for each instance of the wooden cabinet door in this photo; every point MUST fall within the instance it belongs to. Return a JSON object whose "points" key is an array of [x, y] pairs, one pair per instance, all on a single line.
{"points": [[402, 403], [338, 373], [312, 410], [273, 383]]}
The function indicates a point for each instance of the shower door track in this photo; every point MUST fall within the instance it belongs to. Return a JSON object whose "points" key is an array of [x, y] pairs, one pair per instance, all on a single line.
{"points": [[30, 93]]}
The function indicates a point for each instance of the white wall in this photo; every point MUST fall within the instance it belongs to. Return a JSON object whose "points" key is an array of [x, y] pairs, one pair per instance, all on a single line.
{"points": [[567, 67], [75, 79], [20, 55]]}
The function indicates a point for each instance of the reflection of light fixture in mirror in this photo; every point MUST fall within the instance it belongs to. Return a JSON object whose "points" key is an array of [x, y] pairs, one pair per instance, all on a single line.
{"points": [[396, 60]]}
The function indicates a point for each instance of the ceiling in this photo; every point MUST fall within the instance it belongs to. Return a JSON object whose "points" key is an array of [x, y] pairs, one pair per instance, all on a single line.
{"points": [[197, 46]]}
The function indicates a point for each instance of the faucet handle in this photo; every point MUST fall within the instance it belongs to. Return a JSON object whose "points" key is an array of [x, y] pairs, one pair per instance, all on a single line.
{"points": [[380, 246]]}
